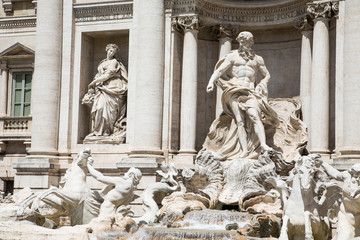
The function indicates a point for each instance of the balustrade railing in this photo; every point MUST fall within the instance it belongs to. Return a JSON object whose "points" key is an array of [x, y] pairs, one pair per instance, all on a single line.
{"points": [[15, 125]]}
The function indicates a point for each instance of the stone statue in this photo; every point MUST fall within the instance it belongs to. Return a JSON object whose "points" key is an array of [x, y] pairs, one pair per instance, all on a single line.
{"points": [[73, 197], [244, 101], [118, 190], [302, 210], [166, 185], [107, 95], [349, 215]]}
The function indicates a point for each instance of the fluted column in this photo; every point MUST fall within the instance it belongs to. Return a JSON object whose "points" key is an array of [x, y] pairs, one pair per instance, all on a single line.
{"points": [[305, 26], [46, 81], [149, 65], [319, 132], [225, 34], [190, 26], [351, 83], [3, 89]]}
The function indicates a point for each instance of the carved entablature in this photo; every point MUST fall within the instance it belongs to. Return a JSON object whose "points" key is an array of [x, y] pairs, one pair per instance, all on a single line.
{"points": [[323, 9], [242, 13], [304, 23], [186, 23], [222, 31], [18, 24], [103, 11]]}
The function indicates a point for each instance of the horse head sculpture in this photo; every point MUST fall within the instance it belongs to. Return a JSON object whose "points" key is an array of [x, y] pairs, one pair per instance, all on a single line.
{"points": [[305, 168]]}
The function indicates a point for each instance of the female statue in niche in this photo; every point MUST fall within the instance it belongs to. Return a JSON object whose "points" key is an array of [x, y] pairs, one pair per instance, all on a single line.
{"points": [[107, 97]]}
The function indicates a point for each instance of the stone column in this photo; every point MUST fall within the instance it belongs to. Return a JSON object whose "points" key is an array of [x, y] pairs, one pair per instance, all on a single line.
{"points": [[3, 89], [149, 65], [225, 34], [319, 132], [305, 26], [46, 81], [40, 169], [350, 150], [190, 26]]}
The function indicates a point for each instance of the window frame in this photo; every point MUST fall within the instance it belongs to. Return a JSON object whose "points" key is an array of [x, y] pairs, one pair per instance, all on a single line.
{"points": [[12, 81]]}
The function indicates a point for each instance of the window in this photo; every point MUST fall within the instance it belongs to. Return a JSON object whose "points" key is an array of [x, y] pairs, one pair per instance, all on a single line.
{"points": [[21, 94]]}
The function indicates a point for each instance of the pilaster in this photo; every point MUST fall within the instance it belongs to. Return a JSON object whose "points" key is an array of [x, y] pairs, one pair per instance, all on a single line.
{"points": [[3, 88], [350, 149]]}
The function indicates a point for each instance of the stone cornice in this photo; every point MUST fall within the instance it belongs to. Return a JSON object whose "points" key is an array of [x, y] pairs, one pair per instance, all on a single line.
{"points": [[104, 11], [254, 14], [18, 22]]}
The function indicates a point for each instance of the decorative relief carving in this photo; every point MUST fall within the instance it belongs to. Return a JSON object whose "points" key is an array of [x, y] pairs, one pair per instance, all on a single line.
{"points": [[322, 9], [335, 8], [23, 22], [186, 23], [222, 30], [304, 23], [103, 12]]}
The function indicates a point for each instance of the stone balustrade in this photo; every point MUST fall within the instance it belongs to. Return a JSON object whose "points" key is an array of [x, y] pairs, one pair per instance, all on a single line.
{"points": [[11, 125]]}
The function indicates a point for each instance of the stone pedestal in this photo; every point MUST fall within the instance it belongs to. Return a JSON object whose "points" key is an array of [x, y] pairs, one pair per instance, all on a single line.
{"points": [[36, 172], [147, 128], [319, 132]]}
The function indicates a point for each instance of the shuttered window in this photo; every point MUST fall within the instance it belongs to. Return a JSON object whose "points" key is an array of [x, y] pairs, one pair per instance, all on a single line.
{"points": [[21, 95]]}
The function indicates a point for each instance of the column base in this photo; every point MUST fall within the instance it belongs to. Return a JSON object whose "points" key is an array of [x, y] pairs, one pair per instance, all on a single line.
{"points": [[185, 160], [41, 151], [140, 162], [346, 158], [324, 153], [187, 152], [146, 153]]}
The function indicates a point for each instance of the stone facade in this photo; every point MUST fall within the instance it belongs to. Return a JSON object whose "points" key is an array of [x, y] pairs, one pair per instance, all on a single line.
{"points": [[170, 48]]}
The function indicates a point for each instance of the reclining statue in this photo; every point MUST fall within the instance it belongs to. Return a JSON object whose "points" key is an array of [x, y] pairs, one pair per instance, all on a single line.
{"points": [[73, 197]]}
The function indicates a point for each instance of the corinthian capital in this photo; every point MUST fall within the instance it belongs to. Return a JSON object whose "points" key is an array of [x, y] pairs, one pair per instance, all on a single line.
{"points": [[335, 8], [222, 30], [186, 23], [320, 9], [304, 23]]}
